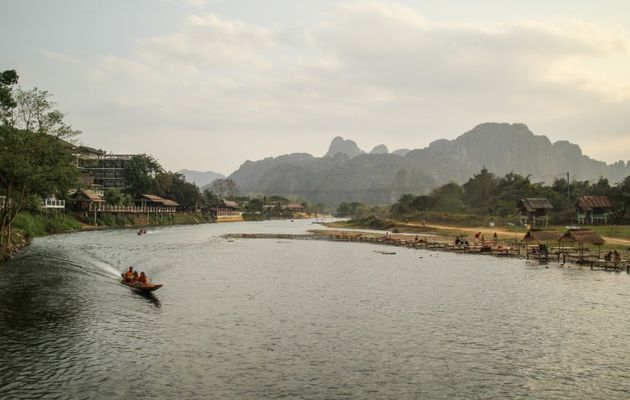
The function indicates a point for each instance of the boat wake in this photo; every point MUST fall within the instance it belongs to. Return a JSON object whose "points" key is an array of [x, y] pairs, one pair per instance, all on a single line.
{"points": [[108, 268]]}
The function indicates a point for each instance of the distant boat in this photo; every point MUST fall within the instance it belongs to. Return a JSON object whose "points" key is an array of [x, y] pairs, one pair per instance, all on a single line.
{"points": [[385, 252]]}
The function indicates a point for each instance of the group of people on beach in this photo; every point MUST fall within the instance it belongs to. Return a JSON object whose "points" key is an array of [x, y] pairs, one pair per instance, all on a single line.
{"points": [[131, 276], [613, 256], [461, 241]]}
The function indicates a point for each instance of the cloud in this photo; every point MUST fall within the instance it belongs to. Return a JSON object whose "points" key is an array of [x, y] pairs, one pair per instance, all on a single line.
{"points": [[365, 70]]}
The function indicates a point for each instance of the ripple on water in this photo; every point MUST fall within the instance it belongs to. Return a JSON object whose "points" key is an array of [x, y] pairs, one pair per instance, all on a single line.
{"points": [[308, 319]]}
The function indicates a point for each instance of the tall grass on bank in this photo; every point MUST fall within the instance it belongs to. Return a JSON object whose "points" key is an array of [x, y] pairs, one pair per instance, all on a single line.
{"points": [[40, 224]]}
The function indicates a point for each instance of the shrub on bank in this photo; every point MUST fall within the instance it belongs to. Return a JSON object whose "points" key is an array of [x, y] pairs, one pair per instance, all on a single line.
{"points": [[253, 217], [372, 222], [459, 219], [40, 224]]}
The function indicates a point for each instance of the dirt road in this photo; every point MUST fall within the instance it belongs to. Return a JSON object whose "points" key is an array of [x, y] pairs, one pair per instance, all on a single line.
{"points": [[488, 232]]}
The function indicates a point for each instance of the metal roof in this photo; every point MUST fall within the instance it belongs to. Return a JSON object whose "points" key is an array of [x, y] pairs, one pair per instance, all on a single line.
{"points": [[158, 199], [587, 203], [91, 195]]}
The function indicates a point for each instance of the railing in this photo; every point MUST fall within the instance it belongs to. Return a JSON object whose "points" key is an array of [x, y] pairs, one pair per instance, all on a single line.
{"points": [[592, 217], [100, 207], [54, 203]]}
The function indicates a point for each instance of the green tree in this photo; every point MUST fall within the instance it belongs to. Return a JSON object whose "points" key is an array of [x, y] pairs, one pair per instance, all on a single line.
{"points": [[352, 209], [173, 186], [620, 195], [114, 197], [8, 79], [404, 205], [449, 197], [209, 199], [36, 111], [31, 163], [480, 188], [254, 206], [139, 173]]}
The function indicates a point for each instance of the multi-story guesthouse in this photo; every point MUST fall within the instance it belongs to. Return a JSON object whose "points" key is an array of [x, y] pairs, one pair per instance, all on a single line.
{"points": [[101, 171]]}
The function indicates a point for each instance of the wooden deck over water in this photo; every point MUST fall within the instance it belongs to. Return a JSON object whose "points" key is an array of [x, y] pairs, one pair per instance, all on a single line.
{"points": [[523, 250]]}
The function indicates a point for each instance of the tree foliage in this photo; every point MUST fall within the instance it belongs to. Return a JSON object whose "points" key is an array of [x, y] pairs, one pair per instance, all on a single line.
{"points": [[224, 188], [485, 194], [32, 163], [352, 209], [8, 79], [36, 111], [34, 160], [140, 172], [174, 186], [114, 197]]}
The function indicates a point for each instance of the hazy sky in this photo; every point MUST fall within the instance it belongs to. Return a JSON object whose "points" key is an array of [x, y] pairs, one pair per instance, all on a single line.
{"points": [[209, 84]]}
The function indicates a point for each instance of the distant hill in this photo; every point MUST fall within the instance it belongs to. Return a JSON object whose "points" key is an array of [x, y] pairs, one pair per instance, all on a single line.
{"points": [[200, 178], [346, 173], [380, 149], [347, 147]]}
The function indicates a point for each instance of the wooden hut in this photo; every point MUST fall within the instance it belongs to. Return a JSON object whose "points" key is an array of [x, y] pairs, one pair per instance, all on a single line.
{"points": [[541, 237], [157, 202], [229, 211], [83, 198], [534, 211], [593, 209], [295, 207], [583, 237]]}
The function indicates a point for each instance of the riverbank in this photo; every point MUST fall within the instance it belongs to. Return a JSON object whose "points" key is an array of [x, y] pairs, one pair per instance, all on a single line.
{"points": [[620, 241], [501, 247], [29, 225]]}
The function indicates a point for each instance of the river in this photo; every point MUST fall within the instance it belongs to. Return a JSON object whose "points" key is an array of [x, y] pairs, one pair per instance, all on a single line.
{"points": [[263, 319]]}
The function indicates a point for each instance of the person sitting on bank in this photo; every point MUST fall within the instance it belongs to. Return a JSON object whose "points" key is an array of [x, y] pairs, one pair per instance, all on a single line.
{"points": [[142, 278], [608, 256], [616, 257], [128, 275]]}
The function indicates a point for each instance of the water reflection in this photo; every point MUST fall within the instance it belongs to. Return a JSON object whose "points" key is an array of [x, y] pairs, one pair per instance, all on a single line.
{"points": [[305, 319], [150, 297]]}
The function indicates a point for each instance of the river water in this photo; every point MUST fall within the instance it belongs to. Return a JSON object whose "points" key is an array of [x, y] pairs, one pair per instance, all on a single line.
{"points": [[262, 319]]}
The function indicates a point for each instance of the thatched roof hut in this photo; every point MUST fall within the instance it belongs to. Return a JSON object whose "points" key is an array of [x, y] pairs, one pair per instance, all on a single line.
{"points": [[532, 204], [582, 236], [534, 210], [542, 235]]}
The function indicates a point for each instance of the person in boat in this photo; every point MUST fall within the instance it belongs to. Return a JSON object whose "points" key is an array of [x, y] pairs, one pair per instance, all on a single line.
{"points": [[135, 277], [128, 276], [142, 279]]}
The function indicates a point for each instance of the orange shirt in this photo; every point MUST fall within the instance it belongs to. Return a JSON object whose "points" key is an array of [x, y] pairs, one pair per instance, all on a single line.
{"points": [[142, 279]]}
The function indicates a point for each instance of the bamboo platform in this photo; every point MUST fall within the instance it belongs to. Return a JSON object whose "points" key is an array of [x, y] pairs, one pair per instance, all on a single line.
{"points": [[522, 250]]}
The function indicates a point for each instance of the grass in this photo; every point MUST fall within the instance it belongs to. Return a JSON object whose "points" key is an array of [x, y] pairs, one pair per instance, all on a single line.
{"points": [[616, 231], [33, 224]]}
